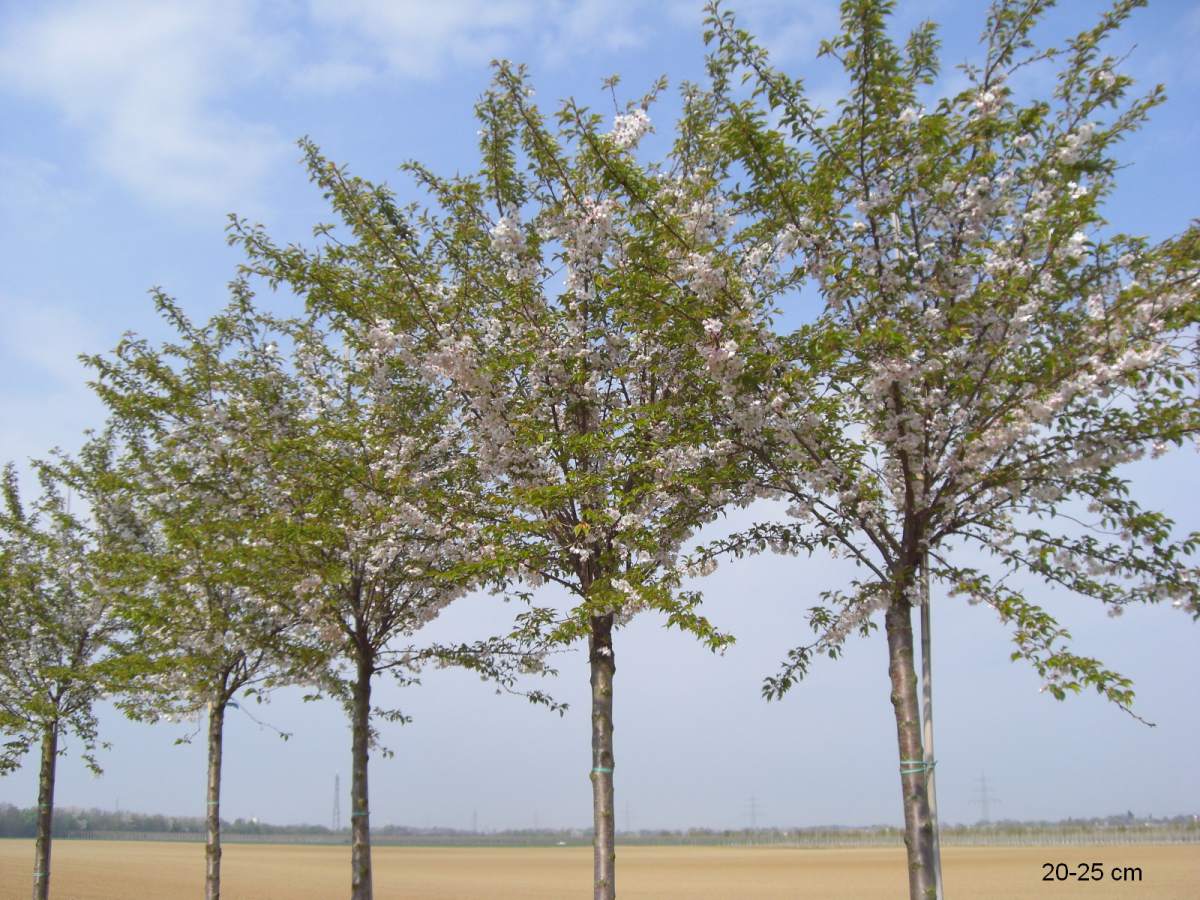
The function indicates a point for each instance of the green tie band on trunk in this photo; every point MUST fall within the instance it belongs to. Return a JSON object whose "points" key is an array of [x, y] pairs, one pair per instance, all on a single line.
{"points": [[916, 766], [601, 769], [363, 813]]}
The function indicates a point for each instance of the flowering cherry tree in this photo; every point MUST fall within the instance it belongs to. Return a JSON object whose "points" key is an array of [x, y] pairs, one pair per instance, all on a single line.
{"points": [[196, 585], [538, 301], [368, 466], [297, 489], [989, 352], [347, 543], [59, 647]]}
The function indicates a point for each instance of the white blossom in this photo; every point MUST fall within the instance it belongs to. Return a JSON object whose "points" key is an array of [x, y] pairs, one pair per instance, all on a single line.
{"points": [[629, 128]]}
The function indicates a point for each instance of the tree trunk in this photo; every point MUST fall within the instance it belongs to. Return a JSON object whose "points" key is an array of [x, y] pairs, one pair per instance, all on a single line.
{"points": [[45, 813], [603, 666], [918, 824], [212, 832], [360, 820]]}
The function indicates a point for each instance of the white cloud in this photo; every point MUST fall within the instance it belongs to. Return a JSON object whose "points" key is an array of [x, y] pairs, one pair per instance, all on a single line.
{"points": [[331, 77], [418, 38], [173, 98], [46, 341], [43, 385], [588, 25], [157, 90], [34, 194], [789, 31], [143, 82]]}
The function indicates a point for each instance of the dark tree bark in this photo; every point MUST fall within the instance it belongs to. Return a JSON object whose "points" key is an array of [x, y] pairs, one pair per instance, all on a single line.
{"points": [[918, 823], [360, 820], [603, 666], [212, 831], [45, 812]]}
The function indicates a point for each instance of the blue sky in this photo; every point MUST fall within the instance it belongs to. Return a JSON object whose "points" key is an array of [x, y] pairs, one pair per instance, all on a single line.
{"points": [[134, 128]]}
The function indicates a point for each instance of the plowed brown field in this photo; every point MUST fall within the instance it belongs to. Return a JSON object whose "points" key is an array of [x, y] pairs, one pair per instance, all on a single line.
{"points": [[127, 870]]}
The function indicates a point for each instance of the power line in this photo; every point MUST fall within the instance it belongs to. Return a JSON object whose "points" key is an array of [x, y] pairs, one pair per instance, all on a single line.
{"points": [[984, 798]]}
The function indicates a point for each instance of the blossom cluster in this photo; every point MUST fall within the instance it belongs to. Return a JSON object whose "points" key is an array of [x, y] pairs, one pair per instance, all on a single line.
{"points": [[630, 127]]}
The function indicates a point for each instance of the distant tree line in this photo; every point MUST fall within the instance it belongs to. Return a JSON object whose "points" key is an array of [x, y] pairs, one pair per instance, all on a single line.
{"points": [[22, 823], [17, 822]]}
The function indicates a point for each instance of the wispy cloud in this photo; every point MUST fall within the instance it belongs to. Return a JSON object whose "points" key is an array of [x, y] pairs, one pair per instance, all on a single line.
{"points": [[595, 25], [46, 342], [331, 76], [420, 39], [144, 84], [171, 98], [43, 385], [34, 194], [790, 31]]}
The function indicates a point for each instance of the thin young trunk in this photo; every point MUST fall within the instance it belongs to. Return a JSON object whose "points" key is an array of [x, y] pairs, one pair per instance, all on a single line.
{"points": [[45, 813], [360, 820], [927, 723], [603, 666], [212, 831], [918, 825]]}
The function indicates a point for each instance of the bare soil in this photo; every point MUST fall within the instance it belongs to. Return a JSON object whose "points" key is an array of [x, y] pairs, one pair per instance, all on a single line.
{"points": [[129, 870]]}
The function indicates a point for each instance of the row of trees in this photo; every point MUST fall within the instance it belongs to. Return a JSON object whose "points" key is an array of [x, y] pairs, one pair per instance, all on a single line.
{"points": [[561, 367], [22, 823]]}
